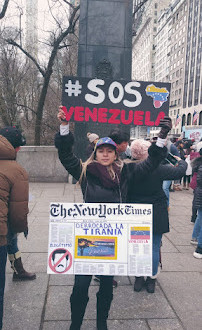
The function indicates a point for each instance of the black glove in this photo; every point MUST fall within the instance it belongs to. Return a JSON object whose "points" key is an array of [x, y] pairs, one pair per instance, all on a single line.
{"points": [[166, 125]]}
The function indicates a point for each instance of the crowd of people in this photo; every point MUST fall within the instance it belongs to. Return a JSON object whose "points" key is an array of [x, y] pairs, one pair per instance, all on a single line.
{"points": [[114, 172]]}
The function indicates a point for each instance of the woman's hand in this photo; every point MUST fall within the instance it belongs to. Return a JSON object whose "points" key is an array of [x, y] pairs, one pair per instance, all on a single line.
{"points": [[166, 125], [178, 158], [61, 116]]}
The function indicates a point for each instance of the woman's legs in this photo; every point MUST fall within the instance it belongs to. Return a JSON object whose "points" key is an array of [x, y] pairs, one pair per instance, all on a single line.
{"points": [[151, 281], [79, 300], [14, 256], [196, 229], [156, 253], [198, 224], [104, 299], [3, 258], [166, 187]]}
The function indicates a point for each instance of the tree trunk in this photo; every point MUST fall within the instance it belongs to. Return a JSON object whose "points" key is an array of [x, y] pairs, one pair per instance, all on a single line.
{"points": [[39, 113]]}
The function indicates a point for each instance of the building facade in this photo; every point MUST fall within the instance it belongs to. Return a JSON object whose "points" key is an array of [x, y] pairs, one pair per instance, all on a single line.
{"points": [[143, 47], [176, 58], [191, 112]]}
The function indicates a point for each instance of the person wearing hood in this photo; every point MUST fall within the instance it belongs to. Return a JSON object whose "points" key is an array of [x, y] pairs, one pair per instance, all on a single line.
{"points": [[13, 198], [104, 178], [150, 191], [197, 204]]}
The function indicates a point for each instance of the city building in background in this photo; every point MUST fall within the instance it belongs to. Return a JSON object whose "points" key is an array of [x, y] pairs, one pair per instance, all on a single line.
{"points": [[172, 53], [170, 45], [143, 48], [179, 14], [192, 88]]}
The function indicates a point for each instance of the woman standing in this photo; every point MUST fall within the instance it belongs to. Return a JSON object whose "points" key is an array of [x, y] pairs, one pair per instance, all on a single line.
{"points": [[187, 176], [103, 179], [150, 191], [197, 204]]}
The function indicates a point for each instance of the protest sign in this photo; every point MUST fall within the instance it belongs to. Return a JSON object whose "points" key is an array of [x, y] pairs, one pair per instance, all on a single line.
{"points": [[115, 101], [100, 239]]}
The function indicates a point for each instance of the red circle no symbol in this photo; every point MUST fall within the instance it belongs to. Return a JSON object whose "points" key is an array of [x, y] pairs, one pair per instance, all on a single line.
{"points": [[53, 266]]}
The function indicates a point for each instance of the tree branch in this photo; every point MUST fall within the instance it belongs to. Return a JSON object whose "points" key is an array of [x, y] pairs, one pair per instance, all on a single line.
{"points": [[70, 4], [26, 107], [12, 42], [5, 6]]}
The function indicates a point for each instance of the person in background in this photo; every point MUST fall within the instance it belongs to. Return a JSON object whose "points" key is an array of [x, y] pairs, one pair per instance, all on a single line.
{"points": [[180, 146], [194, 154], [167, 183], [104, 178], [93, 138], [121, 138], [150, 191], [187, 176], [13, 197], [197, 203], [199, 145]]}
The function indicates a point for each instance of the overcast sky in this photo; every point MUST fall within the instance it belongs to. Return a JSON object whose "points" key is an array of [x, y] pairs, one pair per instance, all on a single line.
{"points": [[45, 19]]}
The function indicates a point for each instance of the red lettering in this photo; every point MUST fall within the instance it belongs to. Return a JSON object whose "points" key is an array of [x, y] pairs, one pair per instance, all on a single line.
{"points": [[68, 114], [123, 117], [161, 115], [147, 119], [90, 114], [115, 113], [79, 113], [138, 118], [102, 115]]}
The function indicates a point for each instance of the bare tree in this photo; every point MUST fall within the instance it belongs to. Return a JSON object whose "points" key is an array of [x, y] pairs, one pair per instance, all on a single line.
{"points": [[16, 87], [4, 8], [57, 42]]}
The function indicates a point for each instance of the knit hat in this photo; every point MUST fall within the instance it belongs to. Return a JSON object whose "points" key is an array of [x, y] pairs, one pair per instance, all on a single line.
{"points": [[105, 140], [92, 137], [139, 149], [13, 135]]}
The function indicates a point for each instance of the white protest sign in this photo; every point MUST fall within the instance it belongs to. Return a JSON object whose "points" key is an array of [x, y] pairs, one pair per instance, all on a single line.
{"points": [[100, 239]]}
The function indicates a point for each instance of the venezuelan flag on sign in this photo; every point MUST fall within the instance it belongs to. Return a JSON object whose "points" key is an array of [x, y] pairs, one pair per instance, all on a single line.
{"points": [[140, 232]]}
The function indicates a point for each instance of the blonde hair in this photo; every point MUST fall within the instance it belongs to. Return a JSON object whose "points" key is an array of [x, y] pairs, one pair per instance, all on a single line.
{"points": [[139, 149], [110, 169]]}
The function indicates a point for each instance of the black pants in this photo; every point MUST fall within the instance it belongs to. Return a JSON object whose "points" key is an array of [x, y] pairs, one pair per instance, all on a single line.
{"points": [[79, 298], [82, 283]]}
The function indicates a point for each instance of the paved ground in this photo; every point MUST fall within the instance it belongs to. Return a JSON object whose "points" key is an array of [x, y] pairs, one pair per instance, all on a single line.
{"points": [[43, 304]]}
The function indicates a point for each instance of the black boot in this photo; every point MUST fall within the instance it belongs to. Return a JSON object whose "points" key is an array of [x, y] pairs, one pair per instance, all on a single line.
{"points": [[150, 284], [20, 273], [78, 307], [103, 307], [139, 283]]}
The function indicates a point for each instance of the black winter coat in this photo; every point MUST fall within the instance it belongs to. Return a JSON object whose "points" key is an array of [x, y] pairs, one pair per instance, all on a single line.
{"points": [[149, 190], [92, 187], [197, 167]]}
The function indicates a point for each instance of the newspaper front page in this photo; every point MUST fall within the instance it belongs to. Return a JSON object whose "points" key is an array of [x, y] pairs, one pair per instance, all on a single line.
{"points": [[100, 239]]}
